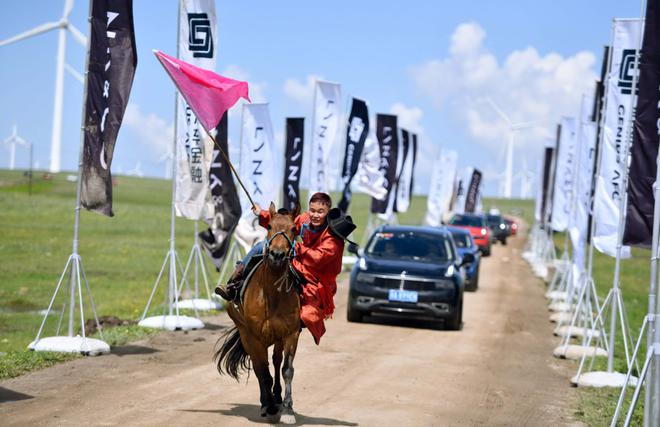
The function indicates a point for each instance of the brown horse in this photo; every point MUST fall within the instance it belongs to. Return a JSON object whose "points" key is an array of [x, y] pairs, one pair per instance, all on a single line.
{"points": [[268, 316]]}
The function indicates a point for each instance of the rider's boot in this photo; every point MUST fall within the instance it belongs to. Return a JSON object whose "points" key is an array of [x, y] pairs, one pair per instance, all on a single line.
{"points": [[232, 290]]}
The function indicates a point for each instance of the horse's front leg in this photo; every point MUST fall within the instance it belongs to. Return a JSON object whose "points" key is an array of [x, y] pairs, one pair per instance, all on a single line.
{"points": [[277, 364], [290, 346], [259, 356]]}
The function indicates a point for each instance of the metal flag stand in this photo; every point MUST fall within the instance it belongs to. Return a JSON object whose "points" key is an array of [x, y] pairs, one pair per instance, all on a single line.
{"points": [[70, 343], [196, 260], [617, 312], [173, 320]]}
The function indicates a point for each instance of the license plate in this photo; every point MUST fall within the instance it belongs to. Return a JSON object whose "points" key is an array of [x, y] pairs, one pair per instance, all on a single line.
{"points": [[402, 296]]}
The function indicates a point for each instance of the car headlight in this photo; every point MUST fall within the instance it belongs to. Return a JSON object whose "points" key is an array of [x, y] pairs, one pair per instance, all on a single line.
{"points": [[502, 226], [365, 278], [483, 231], [362, 264], [450, 271]]}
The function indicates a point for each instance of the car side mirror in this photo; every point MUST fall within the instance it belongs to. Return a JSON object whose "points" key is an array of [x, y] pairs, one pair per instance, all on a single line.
{"points": [[467, 259], [354, 249]]}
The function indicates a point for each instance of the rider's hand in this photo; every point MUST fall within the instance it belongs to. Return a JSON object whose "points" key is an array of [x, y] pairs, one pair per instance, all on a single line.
{"points": [[256, 209]]}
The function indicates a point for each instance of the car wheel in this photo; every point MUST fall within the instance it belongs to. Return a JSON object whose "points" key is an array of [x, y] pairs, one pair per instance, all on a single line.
{"points": [[352, 315], [486, 251], [474, 285], [455, 322], [503, 241]]}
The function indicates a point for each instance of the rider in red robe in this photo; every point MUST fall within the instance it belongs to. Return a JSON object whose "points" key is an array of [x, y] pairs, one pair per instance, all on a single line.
{"points": [[318, 261]]}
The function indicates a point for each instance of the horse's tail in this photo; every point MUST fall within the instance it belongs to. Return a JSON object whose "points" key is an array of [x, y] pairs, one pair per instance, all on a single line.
{"points": [[231, 357]]}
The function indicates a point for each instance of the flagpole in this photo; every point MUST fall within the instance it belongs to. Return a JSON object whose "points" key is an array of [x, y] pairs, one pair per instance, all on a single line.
{"points": [[231, 166]]}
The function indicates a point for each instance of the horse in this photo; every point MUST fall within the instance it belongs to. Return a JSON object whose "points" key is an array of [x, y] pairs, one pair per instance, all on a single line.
{"points": [[268, 316]]}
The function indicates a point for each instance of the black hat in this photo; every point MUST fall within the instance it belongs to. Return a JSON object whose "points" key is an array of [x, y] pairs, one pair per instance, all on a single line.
{"points": [[341, 226]]}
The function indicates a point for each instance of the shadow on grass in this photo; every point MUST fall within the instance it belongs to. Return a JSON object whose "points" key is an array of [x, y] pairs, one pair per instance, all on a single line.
{"points": [[251, 413], [7, 395]]}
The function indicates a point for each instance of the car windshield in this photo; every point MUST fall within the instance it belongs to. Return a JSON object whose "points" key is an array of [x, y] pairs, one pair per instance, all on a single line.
{"points": [[494, 219], [467, 220], [410, 245], [462, 240]]}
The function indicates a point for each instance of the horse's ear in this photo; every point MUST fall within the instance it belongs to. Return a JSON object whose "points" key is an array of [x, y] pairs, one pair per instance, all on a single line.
{"points": [[296, 211], [272, 209]]}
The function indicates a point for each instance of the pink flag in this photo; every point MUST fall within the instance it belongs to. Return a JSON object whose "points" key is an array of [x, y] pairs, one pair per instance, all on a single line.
{"points": [[208, 94]]}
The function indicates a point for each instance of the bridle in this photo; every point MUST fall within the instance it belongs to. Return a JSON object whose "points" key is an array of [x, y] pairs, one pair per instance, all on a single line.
{"points": [[292, 246]]}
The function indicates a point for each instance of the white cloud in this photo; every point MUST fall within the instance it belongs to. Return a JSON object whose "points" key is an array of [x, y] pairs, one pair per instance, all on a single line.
{"points": [[256, 89], [301, 92], [528, 86], [408, 118], [150, 129]]}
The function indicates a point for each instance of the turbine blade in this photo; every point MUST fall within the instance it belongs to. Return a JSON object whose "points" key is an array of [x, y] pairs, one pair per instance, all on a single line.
{"points": [[31, 33], [68, 5], [78, 35], [74, 73]]}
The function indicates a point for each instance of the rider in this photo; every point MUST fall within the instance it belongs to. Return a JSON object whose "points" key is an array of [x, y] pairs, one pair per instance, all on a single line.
{"points": [[317, 261]]}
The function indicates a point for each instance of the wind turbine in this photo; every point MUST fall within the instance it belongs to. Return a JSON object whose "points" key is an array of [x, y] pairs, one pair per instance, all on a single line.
{"points": [[12, 141], [513, 128], [167, 159], [137, 171], [63, 25]]}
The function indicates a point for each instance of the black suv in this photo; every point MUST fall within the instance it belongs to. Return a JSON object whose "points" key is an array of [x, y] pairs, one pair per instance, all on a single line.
{"points": [[499, 229], [409, 271]]}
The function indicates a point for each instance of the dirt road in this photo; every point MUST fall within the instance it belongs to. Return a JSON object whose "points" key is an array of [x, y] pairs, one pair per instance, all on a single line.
{"points": [[498, 370]]}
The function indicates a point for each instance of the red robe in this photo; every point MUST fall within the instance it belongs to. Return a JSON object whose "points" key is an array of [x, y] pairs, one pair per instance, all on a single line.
{"points": [[318, 260]]}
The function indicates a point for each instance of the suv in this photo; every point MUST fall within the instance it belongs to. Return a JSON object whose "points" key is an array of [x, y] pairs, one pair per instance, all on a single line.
{"points": [[478, 228], [498, 227]]}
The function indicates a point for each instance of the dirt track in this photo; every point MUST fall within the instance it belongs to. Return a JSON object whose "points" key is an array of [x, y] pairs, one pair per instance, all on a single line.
{"points": [[498, 371]]}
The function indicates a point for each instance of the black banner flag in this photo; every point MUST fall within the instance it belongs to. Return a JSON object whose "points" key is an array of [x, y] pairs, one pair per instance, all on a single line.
{"points": [[414, 160], [226, 203], [356, 135], [644, 150], [546, 183], [472, 195], [295, 139], [387, 136], [111, 66]]}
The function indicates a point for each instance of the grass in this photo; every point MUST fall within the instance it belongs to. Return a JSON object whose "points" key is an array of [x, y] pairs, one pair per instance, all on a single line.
{"points": [[596, 407]]}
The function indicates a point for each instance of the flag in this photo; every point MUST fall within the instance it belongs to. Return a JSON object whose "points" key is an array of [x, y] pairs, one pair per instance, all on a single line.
{"points": [[225, 201], [295, 142], [473, 191], [356, 135], [111, 67], [441, 187], [402, 201], [208, 94], [197, 46], [325, 129], [547, 165], [258, 166], [644, 150], [564, 174], [369, 178], [609, 184], [387, 136]]}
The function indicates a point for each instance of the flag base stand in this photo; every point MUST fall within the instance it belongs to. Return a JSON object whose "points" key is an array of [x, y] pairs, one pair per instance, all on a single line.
{"points": [[172, 323], [77, 344], [576, 332], [576, 352], [562, 295], [601, 379], [196, 260], [561, 317], [561, 307], [70, 343]]}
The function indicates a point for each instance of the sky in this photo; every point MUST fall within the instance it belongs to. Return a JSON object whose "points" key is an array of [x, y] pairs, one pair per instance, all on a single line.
{"points": [[433, 63]]}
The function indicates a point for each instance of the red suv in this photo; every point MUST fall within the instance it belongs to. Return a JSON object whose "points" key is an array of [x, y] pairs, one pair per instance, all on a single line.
{"points": [[476, 225]]}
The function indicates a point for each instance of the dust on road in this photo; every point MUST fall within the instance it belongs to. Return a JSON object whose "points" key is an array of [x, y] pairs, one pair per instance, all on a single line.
{"points": [[498, 370]]}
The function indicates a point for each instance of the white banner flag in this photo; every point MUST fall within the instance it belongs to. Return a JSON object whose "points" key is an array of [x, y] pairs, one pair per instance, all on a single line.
{"points": [[609, 183], [325, 132], [369, 178], [197, 45], [259, 171], [579, 223], [564, 178], [403, 183], [441, 188]]}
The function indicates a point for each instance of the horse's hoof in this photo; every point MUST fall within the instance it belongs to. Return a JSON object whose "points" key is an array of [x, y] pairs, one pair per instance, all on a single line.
{"points": [[288, 419], [273, 418]]}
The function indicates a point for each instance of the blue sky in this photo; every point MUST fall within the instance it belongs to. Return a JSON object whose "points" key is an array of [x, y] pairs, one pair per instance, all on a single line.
{"points": [[432, 62]]}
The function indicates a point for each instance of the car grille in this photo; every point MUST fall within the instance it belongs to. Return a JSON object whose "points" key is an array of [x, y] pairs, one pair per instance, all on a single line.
{"points": [[395, 282]]}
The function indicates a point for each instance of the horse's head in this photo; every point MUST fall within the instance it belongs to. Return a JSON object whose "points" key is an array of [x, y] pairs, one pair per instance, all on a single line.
{"points": [[280, 241]]}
